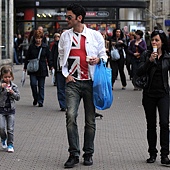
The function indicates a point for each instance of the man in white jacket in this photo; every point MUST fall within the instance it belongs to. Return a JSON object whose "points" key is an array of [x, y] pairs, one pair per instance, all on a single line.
{"points": [[80, 49]]}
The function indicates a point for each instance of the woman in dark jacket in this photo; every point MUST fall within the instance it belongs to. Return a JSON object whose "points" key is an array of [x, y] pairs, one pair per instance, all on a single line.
{"points": [[118, 43], [156, 95], [38, 78]]}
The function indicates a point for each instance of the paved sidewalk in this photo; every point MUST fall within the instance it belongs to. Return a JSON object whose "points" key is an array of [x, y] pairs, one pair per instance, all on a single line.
{"points": [[40, 133]]}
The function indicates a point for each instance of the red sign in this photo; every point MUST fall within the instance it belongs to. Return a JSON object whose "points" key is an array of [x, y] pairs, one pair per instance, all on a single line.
{"points": [[91, 14], [97, 13]]}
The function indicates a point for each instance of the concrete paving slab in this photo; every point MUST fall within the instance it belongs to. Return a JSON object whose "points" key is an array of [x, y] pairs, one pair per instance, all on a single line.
{"points": [[41, 141]]}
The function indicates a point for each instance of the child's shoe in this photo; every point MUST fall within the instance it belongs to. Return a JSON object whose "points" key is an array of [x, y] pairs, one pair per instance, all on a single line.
{"points": [[3, 144], [10, 148]]}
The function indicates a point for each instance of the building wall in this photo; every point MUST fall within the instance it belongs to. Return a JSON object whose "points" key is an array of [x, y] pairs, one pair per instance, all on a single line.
{"points": [[6, 32], [159, 11], [0, 30]]}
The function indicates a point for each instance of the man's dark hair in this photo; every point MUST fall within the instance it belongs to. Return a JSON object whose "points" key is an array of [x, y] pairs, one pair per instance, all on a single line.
{"points": [[78, 10]]}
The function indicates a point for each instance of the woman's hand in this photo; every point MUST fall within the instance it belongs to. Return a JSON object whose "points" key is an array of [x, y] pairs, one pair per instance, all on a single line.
{"points": [[137, 55], [153, 57], [120, 41]]}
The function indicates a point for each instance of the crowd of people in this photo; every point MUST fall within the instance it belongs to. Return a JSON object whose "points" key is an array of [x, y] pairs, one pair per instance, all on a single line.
{"points": [[130, 46], [66, 58], [22, 43]]}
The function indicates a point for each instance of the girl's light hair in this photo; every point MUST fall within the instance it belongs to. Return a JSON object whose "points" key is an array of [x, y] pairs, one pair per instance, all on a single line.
{"points": [[6, 69]]}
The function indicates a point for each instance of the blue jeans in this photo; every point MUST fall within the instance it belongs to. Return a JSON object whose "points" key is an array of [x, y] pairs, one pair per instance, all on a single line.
{"points": [[38, 94], [7, 124], [61, 82], [74, 92], [15, 57]]}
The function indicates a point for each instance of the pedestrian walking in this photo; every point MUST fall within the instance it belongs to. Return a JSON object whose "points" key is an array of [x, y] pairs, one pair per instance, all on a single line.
{"points": [[25, 46], [74, 46], [60, 80], [132, 37], [37, 79], [117, 41], [137, 46], [19, 47], [15, 50], [9, 93]]}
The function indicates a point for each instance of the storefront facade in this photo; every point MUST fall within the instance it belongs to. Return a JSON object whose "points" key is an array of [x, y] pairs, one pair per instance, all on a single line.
{"points": [[18, 16], [101, 15]]}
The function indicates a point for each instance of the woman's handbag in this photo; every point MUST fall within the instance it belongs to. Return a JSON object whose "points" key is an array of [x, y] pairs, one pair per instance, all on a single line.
{"points": [[140, 81], [115, 54], [102, 87], [33, 64]]}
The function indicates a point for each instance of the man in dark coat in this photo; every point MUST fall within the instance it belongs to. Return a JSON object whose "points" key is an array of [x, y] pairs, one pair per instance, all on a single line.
{"points": [[59, 78]]}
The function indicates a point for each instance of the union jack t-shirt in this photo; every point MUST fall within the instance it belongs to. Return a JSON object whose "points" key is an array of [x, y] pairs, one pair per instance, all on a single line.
{"points": [[77, 65]]}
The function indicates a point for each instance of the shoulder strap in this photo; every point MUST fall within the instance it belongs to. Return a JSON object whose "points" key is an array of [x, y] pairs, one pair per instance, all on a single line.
{"points": [[39, 53]]}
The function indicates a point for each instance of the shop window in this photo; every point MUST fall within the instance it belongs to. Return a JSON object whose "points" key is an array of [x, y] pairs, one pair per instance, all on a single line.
{"points": [[50, 14], [134, 19]]}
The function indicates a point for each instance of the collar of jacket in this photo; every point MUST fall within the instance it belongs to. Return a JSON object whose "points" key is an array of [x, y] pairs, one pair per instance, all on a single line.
{"points": [[84, 30], [56, 42], [44, 44], [166, 55]]}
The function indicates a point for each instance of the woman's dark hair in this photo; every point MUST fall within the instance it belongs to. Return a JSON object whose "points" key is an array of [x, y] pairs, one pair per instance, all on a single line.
{"points": [[139, 32], [121, 33], [163, 38], [78, 10]]}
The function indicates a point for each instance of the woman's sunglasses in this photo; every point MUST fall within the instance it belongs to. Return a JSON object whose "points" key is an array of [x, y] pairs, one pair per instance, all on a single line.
{"points": [[159, 31]]}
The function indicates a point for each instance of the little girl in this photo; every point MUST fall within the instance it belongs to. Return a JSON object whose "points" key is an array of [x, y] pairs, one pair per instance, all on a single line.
{"points": [[8, 94]]}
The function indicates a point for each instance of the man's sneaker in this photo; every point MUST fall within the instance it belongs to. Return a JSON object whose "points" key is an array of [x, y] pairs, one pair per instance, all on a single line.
{"points": [[88, 160], [10, 148], [72, 160], [3, 144]]}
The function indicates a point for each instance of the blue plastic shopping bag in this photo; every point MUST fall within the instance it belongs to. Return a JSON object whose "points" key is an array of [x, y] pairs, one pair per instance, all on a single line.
{"points": [[102, 87]]}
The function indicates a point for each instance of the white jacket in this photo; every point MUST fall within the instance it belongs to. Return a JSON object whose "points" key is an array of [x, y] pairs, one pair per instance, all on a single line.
{"points": [[94, 46]]}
